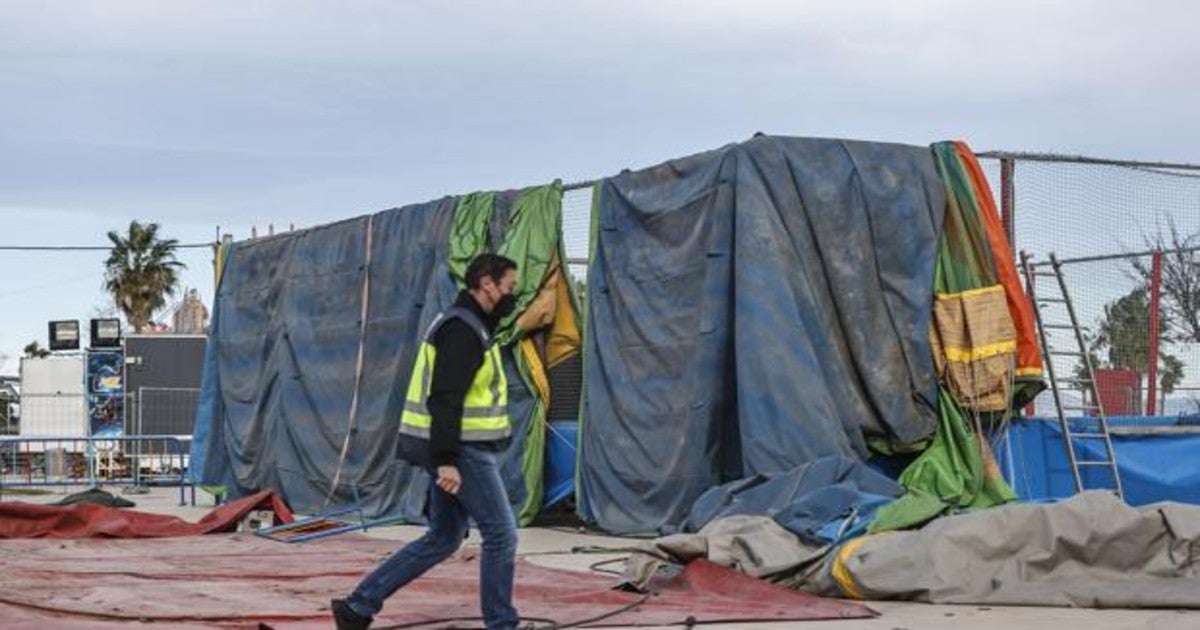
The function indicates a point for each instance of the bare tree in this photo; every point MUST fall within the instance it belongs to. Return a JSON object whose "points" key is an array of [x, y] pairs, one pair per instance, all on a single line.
{"points": [[1180, 283]]}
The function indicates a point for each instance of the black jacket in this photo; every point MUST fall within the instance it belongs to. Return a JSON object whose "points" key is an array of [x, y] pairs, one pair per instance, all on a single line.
{"points": [[460, 353]]}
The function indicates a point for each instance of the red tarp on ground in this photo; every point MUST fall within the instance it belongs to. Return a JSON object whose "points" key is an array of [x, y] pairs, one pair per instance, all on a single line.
{"points": [[242, 580], [83, 520]]}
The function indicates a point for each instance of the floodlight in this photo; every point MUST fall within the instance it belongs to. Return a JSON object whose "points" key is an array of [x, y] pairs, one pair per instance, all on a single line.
{"points": [[106, 333], [64, 334]]}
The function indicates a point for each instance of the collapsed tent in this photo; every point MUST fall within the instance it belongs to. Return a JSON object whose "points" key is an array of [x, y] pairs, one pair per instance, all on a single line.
{"points": [[982, 340], [1090, 551], [752, 309], [314, 335]]}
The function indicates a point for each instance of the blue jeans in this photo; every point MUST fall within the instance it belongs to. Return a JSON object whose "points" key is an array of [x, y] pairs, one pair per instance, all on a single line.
{"points": [[482, 498]]}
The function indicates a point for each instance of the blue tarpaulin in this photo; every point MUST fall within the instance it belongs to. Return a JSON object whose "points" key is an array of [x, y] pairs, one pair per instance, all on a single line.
{"points": [[753, 309], [561, 453], [824, 501], [282, 359], [1157, 461]]}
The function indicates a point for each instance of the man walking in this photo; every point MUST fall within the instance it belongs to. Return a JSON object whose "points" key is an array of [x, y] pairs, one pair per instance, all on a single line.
{"points": [[455, 421]]}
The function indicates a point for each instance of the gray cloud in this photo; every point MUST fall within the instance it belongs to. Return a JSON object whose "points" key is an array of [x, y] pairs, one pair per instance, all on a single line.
{"points": [[233, 113]]}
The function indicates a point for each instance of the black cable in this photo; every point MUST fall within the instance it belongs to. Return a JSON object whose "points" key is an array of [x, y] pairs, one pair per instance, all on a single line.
{"points": [[612, 613], [552, 624]]}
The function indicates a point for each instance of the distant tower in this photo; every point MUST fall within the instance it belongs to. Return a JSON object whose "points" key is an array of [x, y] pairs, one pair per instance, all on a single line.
{"points": [[191, 318]]}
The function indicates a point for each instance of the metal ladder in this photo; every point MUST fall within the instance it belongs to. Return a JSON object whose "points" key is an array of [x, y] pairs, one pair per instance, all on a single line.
{"points": [[1088, 381]]}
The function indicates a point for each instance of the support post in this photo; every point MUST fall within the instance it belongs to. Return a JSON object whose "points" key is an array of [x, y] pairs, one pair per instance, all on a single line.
{"points": [[1152, 348], [1008, 202], [1031, 408], [1008, 219]]}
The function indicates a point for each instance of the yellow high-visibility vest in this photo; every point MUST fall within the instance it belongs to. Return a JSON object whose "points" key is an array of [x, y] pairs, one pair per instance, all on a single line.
{"points": [[485, 409]]}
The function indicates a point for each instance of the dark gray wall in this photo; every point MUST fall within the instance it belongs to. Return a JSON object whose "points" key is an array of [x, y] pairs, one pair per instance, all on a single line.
{"points": [[162, 383]]}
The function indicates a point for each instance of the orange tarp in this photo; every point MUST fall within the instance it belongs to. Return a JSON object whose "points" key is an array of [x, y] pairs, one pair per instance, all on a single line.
{"points": [[1029, 358]]}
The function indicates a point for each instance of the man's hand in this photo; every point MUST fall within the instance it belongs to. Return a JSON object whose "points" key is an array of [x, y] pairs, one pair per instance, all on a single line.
{"points": [[448, 479]]}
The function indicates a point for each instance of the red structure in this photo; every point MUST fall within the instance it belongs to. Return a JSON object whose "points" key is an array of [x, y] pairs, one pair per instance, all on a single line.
{"points": [[1119, 391]]}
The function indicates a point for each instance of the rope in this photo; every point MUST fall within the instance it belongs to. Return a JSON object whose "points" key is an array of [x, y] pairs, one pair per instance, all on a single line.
{"points": [[559, 434], [358, 366]]}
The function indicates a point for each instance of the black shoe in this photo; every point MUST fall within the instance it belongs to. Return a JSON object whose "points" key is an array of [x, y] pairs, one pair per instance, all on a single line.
{"points": [[345, 617]]}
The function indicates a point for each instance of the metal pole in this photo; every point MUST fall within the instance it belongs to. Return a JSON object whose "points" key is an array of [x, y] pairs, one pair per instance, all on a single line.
{"points": [[1031, 285], [1082, 159], [1150, 252], [93, 461], [1008, 202], [139, 400], [1152, 348]]}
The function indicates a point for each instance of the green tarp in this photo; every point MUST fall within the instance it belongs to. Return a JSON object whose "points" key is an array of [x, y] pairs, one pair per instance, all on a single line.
{"points": [[527, 230], [951, 473]]}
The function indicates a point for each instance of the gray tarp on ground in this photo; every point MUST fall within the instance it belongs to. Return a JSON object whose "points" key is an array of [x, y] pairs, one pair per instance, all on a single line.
{"points": [[754, 545], [752, 309], [1090, 551], [282, 356]]}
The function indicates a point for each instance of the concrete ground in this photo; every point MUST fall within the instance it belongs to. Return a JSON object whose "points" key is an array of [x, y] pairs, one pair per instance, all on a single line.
{"points": [[552, 548]]}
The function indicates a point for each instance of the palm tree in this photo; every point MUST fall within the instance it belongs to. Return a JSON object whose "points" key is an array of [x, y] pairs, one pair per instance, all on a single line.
{"points": [[1124, 331], [34, 350], [1123, 339], [141, 272]]}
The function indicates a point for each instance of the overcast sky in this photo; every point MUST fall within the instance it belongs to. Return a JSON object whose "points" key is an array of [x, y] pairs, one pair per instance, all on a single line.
{"points": [[233, 114]]}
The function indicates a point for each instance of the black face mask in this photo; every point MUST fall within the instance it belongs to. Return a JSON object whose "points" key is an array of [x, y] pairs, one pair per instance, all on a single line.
{"points": [[504, 306]]}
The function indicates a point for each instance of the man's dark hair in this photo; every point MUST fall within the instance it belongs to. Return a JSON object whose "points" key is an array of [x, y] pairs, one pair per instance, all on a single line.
{"points": [[487, 266]]}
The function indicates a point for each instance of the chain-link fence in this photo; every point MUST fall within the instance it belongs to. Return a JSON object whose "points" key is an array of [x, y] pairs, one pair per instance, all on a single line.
{"points": [[566, 378], [1128, 234], [161, 411], [576, 227], [1140, 368]]}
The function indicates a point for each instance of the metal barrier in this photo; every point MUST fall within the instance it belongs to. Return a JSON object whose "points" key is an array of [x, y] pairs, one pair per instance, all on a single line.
{"points": [[161, 410], [65, 461]]}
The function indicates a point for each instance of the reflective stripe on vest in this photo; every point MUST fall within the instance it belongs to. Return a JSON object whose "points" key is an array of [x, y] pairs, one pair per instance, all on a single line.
{"points": [[485, 408]]}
